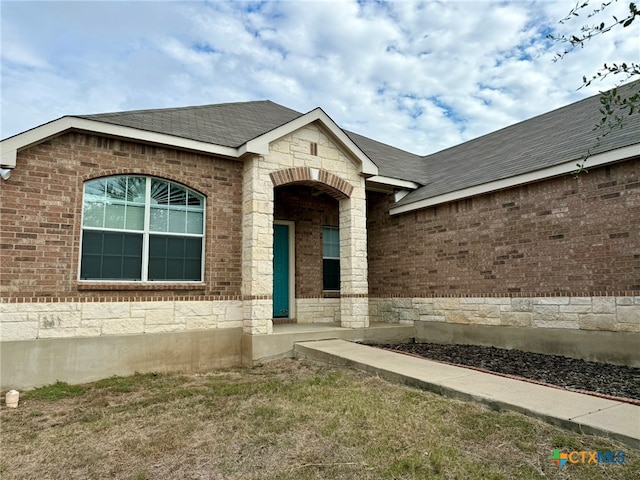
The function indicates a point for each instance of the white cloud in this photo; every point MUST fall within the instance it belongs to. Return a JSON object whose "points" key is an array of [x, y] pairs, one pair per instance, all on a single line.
{"points": [[421, 76]]}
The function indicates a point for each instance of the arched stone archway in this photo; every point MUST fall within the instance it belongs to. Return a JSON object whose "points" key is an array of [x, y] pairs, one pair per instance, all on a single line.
{"points": [[318, 178], [262, 176]]}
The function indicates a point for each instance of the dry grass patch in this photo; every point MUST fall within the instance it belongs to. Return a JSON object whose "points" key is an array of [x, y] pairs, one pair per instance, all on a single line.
{"points": [[286, 420]]}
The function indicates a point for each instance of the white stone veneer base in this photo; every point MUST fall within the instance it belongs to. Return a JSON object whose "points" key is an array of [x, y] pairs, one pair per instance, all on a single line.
{"points": [[618, 314], [29, 321], [318, 310]]}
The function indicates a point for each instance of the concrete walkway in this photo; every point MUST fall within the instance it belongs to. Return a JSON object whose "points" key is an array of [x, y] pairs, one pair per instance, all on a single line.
{"points": [[574, 411]]}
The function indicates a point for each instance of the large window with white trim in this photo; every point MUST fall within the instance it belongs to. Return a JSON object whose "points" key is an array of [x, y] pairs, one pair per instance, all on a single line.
{"points": [[138, 228]]}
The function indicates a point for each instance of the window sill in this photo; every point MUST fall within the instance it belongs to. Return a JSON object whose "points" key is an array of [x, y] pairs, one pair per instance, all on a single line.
{"points": [[147, 286], [331, 294]]}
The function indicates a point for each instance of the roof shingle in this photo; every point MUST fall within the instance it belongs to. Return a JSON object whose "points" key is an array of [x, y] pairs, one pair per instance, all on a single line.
{"points": [[556, 137], [226, 124]]}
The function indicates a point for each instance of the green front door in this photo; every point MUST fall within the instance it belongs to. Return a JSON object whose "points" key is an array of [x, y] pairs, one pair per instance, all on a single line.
{"points": [[280, 271]]}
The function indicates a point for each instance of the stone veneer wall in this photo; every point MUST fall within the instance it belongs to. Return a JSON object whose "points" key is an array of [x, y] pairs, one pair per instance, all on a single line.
{"points": [[30, 321], [318, 310], [294, 153], [617, 314]]}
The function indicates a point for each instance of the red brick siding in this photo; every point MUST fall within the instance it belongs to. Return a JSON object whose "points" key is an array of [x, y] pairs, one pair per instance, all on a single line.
{"points": [[559, 236], [41, 206], [310, 213]]}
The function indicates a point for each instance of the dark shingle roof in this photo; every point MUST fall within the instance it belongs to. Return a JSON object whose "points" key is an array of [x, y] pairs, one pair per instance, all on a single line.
{"points": [[557, 137], [391, 161], [233, 124], [227, 124], [550, 139]]}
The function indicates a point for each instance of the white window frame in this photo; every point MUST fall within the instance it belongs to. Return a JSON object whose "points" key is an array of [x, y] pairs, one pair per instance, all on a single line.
{"points": [[146, 233], [331, 227]]}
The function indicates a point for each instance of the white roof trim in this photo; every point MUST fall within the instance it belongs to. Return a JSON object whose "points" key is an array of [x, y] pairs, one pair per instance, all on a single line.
{"points": [[12, 145], [400, 194], [394, 182], [562, 169], [260, 145], [8, 157]]}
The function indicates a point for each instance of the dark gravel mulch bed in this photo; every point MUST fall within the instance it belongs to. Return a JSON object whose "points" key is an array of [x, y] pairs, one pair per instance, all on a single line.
{"points": [[570, 373]]}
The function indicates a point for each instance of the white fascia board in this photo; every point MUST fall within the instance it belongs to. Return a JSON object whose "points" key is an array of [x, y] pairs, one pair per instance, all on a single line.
{"points": [[557, 170], [400, 194], [8, 158], [393, 182], [10, 146], [39, 134], [260, 145]]}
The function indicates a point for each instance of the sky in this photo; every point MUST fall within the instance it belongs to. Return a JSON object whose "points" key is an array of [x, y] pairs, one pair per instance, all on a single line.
{"points": [[421, 76]]}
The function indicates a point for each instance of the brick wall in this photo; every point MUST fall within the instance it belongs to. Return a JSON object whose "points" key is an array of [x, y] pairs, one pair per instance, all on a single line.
{"points": [[562, 236], [40, 209], [310, 211]]}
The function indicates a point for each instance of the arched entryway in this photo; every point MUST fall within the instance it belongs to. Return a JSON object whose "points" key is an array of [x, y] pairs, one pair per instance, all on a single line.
{"points": [[313, 211], [290, 200], [306, 255]]}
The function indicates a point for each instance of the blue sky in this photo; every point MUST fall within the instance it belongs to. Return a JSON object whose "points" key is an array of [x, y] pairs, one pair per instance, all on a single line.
{"points": [[418, 75]]}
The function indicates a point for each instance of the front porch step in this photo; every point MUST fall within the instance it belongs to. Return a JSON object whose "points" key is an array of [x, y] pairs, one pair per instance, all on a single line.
{"points": [[258, 349], [283, 321]]}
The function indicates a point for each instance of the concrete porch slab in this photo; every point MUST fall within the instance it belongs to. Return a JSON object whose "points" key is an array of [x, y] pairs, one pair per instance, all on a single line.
{"points": [[257, 349], [571, 410]]}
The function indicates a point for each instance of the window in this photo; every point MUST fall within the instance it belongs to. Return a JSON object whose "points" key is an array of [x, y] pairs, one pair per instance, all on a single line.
{"points": [[141, 229], [330, 258]]}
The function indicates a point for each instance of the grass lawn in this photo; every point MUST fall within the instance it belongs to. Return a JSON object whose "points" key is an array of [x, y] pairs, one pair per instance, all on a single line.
{"points": [[286, 420]]}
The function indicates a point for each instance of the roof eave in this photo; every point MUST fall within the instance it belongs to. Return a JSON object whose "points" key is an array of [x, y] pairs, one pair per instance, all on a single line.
{"points": [[393, 182], [601, 159], [259, 145], [12, 145]]}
